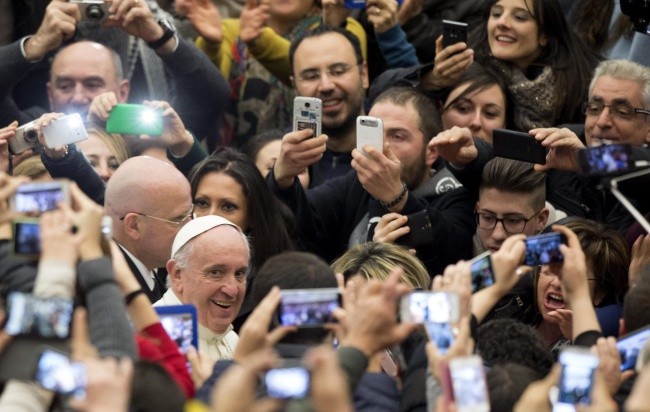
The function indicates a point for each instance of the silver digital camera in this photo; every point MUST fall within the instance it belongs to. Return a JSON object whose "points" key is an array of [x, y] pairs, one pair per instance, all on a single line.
{"points": [[26, 137], [93, 10]]}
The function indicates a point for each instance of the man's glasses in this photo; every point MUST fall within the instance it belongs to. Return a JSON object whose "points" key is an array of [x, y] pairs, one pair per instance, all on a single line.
{"points": [[334, 71], [512, 225], [619, 110], [176, 221]]}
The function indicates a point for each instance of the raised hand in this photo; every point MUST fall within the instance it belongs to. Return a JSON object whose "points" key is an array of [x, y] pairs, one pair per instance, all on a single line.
{"points": [[204, 16], [455, 145], [253, 19], [450, 63], [382, 14], [59, 24], [297, 153]]}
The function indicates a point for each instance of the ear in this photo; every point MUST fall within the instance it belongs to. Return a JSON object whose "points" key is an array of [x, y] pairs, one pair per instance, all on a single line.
{"points": [[622, 330], [542, 219], [364, 76], [543, 40], [293, 81], [124, 89], [133, 226], [174, 272], [431, 155]]}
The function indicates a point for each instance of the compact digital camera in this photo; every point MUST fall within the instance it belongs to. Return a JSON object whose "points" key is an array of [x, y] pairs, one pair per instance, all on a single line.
{"points": [[26, 137], [93, 10]]}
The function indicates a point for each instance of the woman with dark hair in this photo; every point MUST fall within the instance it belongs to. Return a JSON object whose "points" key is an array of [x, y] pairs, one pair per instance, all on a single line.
{"points": [[546, 66], [228, 184]]}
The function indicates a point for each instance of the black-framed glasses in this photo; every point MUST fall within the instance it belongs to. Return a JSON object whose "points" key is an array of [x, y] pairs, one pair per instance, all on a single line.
{"points": [[176, 221], [334, 71], [512, 225], [621, 110]]}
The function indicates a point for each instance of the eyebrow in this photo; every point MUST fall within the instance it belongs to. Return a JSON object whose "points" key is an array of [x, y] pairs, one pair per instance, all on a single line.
{"points": [[614, 101], [514, 214], [72, 79]]}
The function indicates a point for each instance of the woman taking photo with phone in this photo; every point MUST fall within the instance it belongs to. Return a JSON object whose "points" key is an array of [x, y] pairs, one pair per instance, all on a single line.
{"points": [[546, 66]]}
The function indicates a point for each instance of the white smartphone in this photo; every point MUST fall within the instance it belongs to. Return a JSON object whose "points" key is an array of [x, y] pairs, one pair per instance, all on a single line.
{"points": [[64, 131], [307, 114], [370, 132], [577, 378], [469, 385], [426, 307]]}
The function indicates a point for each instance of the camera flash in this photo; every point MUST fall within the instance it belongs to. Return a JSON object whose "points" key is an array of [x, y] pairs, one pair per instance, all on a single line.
{"points": [[148, 116]]}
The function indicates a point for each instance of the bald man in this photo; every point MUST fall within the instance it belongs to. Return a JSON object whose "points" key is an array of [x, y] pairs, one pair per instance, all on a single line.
{"points": [[149, 201]]}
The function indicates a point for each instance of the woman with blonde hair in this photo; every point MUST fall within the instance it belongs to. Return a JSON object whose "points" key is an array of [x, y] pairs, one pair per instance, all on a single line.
{"points": [[105, 152]]}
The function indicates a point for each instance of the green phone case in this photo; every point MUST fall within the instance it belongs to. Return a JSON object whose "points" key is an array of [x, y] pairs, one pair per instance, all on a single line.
{"points": [[135, 119]]}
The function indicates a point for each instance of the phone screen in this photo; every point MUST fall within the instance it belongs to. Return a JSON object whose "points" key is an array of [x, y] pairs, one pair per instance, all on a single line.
{"points": [[57, 373], [309, 307], [468, 381], [38, 197], [287, 383], [544, 249], [576, 379], [441, 334], [180, 324], [482, 275], [26, 237], [430, 307], [605, 160], [630, 347], [35, 316]]}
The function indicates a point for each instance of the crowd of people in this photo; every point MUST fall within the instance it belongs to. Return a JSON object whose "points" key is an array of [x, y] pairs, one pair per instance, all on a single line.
{"points": [[229, 204]]}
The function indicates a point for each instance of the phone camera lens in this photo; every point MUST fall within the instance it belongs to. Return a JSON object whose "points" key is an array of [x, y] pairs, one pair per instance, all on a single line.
{"points": [[31, 136], [94, 12], [307, 105]]}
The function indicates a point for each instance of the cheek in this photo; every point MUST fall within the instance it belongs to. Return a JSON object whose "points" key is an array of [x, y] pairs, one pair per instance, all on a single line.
{"points": [[453, 118]]}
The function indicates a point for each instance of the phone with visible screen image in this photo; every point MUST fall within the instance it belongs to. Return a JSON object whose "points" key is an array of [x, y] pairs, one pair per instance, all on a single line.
{"points": [[288, 383], [26, 238], [426, 307], [469, 384], [57, 373], [39, 197], [442, 334], [630, 346], [29, 315], [544, 249], [606, 160], [180, 324], [306, 308], [576, 380], [482, 273]]}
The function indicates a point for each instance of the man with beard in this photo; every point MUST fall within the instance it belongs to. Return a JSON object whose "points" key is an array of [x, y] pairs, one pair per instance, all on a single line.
{"points": [[394, 188], [327, 63]]}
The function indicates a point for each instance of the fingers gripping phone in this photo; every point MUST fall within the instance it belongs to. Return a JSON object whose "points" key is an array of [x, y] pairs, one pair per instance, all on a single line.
{"points": [[453, 32], [482, 273], [576, 380], [309, 307], [518, 146], [370, 132], [135, 119], [307, 114], [544, 249]]}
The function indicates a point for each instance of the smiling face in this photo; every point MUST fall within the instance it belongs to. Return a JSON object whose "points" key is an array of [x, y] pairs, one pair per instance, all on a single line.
{"points": [[604, 128], [213, 276], [513, 34], [343, 93], [481, 111], [219, 194]]}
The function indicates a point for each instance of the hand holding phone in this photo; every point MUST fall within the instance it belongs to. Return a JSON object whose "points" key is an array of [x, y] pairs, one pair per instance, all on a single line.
{"points": [[453, 32], [135, 119], [577, 378], [518, 146], [64, 131], [370, 132], [544, 249]]}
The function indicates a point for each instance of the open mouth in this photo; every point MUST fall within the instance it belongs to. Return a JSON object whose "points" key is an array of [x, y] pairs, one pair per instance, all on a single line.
{"points": [[554, 301], [221, 304], [505, 39]]}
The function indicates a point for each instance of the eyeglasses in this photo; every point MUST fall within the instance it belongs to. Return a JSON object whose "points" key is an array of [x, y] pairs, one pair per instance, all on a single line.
{"points": [[334, 71], [512, 225], [619, 110], [176, 222]]}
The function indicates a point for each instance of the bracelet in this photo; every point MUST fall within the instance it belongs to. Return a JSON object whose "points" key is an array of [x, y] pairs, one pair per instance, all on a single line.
{"points": [[131, 296], [388, 205]]}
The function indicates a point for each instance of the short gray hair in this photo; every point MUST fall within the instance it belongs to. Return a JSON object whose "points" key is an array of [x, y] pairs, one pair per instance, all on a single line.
{"points": [[628, 70]]}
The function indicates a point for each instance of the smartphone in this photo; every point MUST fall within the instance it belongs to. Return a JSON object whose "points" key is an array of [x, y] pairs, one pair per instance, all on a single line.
{"points": [[57, 373], [355, 4], [605, 160], [630, 346], [287, 383], [26, 238], [425, 307], [577, 378], [309, 307], [442, 334], [482, 273], [544, 249], [453, 32], [30, 315], [135, 119], [370, 132], [307, 114], [469, 384], [420, 232], [26, 137], [38, 197], [64, 131], [518, 146], [180, 324]]}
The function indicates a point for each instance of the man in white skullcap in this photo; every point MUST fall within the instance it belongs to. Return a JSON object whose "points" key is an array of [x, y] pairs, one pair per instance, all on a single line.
{"points": [[208, 268]]}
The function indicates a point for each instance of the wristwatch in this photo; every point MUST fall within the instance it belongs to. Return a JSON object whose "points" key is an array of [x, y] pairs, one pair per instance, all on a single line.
{"points": [[168, 33]]}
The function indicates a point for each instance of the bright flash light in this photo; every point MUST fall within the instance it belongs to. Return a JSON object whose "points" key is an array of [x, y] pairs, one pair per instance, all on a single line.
{"points": [[148, 116]]}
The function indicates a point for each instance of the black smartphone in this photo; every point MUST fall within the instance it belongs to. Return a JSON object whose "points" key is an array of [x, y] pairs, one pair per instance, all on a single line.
{"points": [[482, 273], [453, 32], [605, 160], [544, 249], [309, 307], [31, 315], [420, 232], [518, 146], [26, 238], [630, 346], [287, 383]]}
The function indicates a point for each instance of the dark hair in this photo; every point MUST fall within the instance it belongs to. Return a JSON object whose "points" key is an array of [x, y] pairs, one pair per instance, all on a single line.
{"points": [[507, 383], [505, 340], [636, 308], [514, 176], [605, 248], [323, 29], [570, 58], [153, 389], [430, 123], [268, 233], [253, 146], [480, 78]]}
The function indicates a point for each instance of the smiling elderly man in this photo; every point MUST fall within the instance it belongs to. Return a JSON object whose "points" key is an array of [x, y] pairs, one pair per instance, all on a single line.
{"points": [[210, 260]]}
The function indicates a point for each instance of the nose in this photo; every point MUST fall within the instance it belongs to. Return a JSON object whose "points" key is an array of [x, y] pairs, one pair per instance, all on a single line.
{"points": [[104, 171], [230, 286], [499, 232], [475, 121], [79, 96], [604, 119], [325, 83]]}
